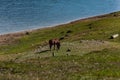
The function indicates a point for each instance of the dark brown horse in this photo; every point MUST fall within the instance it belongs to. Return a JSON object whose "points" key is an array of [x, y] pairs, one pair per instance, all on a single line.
{"points": [[55, 43]]}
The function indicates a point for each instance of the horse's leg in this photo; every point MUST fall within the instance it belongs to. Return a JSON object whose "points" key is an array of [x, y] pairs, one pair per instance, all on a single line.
{"points": [[58, 46], [54, 46], [50, 46]]}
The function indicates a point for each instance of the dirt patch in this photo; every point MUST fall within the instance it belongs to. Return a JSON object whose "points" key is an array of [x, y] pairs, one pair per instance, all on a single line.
{"points": [[11, 38]]}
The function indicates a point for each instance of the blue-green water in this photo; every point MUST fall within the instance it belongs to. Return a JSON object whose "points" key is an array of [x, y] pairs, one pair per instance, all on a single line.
{"points": [[17, 15]]}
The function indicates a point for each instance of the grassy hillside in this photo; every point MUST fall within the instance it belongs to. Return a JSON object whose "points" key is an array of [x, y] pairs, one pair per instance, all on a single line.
{"points": [[93, 55], [99, 28]]}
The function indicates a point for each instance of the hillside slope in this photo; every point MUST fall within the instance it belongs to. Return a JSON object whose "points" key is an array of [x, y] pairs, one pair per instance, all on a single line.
{"points": [[93, 54]]}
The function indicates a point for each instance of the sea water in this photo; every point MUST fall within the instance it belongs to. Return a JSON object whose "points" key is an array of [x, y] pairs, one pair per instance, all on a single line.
{"points": [[18, 15]]}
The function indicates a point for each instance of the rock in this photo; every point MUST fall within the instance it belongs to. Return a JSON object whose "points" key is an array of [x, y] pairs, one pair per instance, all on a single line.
{"points": [[114, 36], [68, 50], [69, 31], [27, 33], [61, 38]]}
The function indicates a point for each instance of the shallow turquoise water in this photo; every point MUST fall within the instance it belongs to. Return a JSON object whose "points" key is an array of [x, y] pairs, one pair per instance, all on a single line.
{"points": [[17, 15]]}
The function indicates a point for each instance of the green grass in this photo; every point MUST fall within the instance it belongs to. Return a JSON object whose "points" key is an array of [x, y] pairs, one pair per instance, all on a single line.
{"points": [[93, 56], [95, 65]]}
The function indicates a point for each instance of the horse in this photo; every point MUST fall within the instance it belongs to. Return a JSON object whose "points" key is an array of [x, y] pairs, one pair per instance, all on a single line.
{"points": [[55, 43]]}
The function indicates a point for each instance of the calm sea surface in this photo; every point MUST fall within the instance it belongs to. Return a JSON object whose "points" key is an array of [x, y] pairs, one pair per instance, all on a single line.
{"points": [[18, 15]]}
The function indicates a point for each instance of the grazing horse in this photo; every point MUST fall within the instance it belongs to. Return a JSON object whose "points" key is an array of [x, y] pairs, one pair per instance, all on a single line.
{"points": [[55, 43]]}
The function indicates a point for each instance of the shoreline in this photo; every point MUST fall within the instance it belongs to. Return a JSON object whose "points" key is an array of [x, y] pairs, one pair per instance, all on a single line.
{"points": [[54, 25], [18, 34]]}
